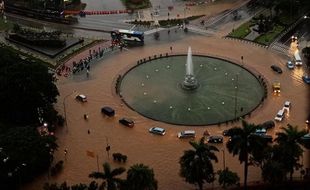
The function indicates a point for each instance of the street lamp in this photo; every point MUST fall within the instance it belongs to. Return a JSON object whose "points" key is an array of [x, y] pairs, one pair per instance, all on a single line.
{"points": [[65, 112], [224, 161]]}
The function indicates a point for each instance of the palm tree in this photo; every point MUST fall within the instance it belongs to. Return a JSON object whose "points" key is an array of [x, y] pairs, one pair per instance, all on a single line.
{"points": [[227, 178], [109, 176], [289, 146], [244, 143], [196, 165], [141, 177]]}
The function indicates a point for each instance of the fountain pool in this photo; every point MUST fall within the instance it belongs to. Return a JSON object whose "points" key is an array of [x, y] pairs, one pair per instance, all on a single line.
{"points": [[226, 90]]}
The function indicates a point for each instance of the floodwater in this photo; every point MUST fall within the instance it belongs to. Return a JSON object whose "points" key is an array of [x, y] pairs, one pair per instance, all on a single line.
{"points": [[161, 153]]}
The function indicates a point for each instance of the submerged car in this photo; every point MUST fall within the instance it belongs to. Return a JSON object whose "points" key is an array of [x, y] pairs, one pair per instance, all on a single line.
{"points": [[306, 79], [157, 131], [81, 98], [290, 65], [187, 134], [215, 139], [276, 69], [127, 122]]}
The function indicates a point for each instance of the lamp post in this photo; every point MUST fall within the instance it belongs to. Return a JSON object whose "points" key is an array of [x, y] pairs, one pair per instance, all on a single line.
{"points": [[224, 161], [236, 95], [65, 111]]}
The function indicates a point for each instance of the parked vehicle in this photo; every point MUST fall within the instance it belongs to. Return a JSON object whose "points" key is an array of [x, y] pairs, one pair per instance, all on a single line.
{"points": [[276, 69], [108, 111], [215, 139], [81, 98], [127, 122], [157, 131], [187, 134], [290, 65]]}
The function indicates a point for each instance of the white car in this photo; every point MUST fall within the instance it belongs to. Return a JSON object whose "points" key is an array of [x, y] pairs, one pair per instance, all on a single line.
{"points": [[81, 98], [157, 131], [280, 115], [287, 105], [290, 65], [187, 134]]}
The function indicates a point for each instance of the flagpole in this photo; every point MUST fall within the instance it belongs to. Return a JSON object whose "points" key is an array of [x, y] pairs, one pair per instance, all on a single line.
{"points": [[97, 163]]}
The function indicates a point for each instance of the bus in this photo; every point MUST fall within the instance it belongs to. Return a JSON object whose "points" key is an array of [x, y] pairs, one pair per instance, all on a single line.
{"points": [[127, 37], [297, 58]]}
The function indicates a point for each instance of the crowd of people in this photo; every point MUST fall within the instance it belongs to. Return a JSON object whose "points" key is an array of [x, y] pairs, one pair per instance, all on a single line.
{"points": [[83, 64]]}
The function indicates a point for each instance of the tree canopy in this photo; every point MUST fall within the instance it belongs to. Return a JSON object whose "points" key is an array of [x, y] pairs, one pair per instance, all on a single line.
{"points": [[25, 87]]}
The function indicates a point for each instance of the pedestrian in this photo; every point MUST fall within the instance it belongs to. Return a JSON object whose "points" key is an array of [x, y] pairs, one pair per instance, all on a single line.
{"points": [[88, 131], [66, 151], [171, 49], [168, 32]]}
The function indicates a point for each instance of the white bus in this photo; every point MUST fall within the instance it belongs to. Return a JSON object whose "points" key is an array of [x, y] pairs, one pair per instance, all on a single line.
{"points": [[297, 58]]}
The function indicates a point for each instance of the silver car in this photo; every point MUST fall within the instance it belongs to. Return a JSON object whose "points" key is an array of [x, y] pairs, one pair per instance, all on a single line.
{"points": [[157, 131]]}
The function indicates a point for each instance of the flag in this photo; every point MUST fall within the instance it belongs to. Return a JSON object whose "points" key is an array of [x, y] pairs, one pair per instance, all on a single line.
{"points": [[90, 153]]}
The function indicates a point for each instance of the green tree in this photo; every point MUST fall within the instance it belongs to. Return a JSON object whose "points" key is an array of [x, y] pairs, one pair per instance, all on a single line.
{"points": [[289, 148], [243, 143], [26, 86], [28, 154], [141, 177], [109, 176], [227, 178], [196, 165]]}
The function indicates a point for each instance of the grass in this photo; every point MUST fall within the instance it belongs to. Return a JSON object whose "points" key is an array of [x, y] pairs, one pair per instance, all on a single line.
{"points": [[268, 37], [242, 31], [5, 26]]}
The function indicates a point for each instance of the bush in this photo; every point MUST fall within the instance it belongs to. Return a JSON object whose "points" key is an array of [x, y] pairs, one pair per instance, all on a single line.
{"points": [[119, 157]]}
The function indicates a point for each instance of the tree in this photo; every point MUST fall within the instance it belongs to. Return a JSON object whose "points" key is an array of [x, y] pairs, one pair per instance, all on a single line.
{"points": [[28, 154], [26, 86], [227, 178], [109, 176], [289, 148], [141, 177], [244, 143], [196, 165]]}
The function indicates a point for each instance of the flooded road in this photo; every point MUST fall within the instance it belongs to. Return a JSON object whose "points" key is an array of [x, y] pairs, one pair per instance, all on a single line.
{"points": [[161, 153]]}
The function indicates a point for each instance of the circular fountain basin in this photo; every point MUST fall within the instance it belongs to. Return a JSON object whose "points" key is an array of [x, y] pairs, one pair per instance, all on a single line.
{"points": [[226, 90]]}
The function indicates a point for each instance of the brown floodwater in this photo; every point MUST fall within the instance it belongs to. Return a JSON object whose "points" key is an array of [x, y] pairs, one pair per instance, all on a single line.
{"points": [[161, 153]]}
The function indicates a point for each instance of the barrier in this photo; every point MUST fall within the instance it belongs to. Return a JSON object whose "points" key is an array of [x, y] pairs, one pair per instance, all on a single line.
{"points": [[73, 12]]}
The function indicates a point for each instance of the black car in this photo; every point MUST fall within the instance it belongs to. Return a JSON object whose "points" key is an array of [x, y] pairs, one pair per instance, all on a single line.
{"points": [[267, 138], [127, 122], [276, 69], [108, 111], [226, 133], [215, 139]]}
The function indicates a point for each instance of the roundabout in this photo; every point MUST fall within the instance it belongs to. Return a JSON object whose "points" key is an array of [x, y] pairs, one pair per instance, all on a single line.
{"points": [[225, 90]]}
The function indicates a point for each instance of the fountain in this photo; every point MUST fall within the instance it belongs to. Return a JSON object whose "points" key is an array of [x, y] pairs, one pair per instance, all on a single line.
{"points": [[158, 89], [190, 82]]}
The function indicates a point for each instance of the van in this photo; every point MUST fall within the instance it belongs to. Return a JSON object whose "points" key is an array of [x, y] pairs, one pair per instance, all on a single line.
{"points": [[187, 134], [81, 98], [108, 111], [297, 59], [280, 115]]}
